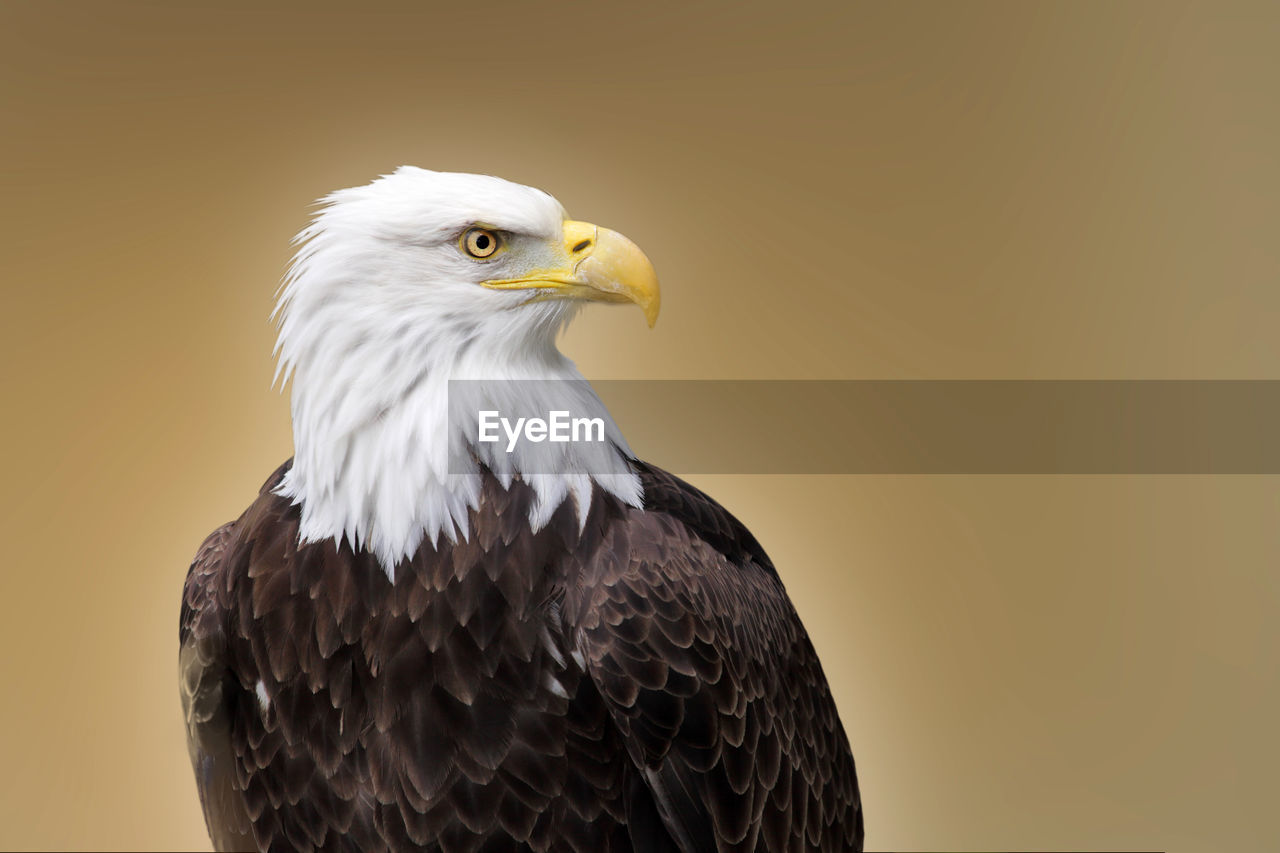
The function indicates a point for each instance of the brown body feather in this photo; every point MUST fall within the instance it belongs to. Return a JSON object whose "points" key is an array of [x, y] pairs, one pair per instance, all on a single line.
{"points": [[642, 683]]}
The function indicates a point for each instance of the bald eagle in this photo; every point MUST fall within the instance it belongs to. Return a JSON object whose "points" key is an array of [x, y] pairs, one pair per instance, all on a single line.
{"points": [[412, 640]]}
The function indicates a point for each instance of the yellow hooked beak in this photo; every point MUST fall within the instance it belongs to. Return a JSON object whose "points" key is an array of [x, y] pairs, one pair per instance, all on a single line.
{"points": [[599, 265]]}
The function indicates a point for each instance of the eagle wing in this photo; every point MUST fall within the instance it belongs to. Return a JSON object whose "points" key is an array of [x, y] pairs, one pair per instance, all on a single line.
{"points": [[206, 692], [689, 635]]}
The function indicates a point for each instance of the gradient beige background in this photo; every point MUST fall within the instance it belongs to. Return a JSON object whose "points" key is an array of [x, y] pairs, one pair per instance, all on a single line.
{"points": [[1020, 190]]}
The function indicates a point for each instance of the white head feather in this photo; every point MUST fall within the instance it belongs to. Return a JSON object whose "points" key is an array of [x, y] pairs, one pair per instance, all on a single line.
{"points": [[380, 309]]}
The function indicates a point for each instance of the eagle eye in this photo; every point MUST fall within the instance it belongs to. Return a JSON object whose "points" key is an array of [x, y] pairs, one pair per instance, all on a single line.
{"points": [[480, 242]]}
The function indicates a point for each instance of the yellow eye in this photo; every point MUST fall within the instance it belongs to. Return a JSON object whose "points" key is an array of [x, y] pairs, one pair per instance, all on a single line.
{"points": [[480, 242]]}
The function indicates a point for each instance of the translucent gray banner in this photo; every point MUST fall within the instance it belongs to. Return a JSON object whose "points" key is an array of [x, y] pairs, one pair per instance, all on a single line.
{"points": [[926, 427]]}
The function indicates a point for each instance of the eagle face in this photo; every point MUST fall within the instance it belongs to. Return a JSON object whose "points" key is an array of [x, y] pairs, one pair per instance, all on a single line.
{"points": [[426, 254]]}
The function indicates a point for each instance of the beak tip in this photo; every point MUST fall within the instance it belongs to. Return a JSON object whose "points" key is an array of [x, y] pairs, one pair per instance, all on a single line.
{"points": [[651, 307]]}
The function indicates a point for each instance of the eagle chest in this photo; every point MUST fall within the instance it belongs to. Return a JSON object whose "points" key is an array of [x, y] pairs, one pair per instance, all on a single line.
{"points": [[452, 694]]}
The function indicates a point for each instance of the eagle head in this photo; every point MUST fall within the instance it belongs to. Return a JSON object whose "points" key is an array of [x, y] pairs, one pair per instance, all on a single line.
{"points": [[401, 285]]}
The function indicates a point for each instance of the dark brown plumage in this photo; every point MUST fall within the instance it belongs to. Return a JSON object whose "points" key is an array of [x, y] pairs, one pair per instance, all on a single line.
{"points": [[641, 684]]}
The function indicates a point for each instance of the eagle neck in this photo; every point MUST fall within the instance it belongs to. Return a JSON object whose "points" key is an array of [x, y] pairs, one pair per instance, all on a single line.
{"points": [[387, 459]]}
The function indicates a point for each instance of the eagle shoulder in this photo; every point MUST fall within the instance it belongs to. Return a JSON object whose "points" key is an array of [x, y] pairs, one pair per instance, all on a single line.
{"points": [[688, 633]]}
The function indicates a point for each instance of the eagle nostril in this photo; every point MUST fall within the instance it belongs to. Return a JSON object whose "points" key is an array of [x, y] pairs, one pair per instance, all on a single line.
{"points": [[582, 246]]}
